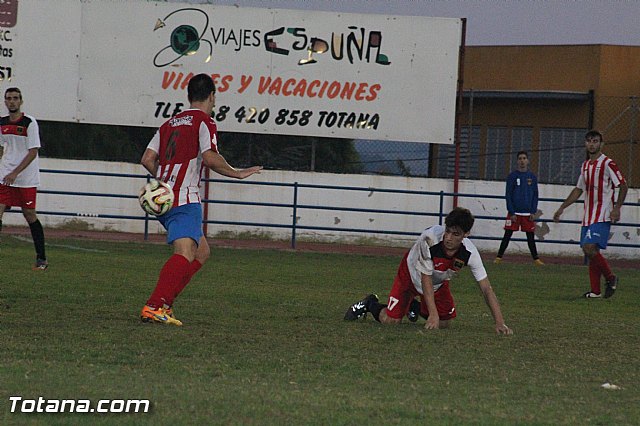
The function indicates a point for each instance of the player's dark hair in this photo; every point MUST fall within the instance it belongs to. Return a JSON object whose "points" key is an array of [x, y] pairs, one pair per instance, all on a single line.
{"points": [[526, 154], [200, 87], [460, 218], [593, 134], [13, 89]]}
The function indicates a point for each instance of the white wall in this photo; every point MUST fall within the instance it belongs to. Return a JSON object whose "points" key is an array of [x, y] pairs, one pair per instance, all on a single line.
{"points": [[85, 208]]}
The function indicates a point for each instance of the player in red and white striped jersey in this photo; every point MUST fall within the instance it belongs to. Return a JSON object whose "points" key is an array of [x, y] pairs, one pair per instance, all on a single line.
{"points": [[599, 177], [177, 154]]}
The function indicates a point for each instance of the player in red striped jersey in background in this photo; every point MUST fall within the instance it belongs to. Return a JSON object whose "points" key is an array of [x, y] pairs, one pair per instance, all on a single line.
{"points": [[599, 177]]}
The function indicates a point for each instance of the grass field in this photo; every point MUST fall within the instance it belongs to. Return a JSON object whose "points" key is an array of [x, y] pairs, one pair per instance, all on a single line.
{"points": [[264, 343]]}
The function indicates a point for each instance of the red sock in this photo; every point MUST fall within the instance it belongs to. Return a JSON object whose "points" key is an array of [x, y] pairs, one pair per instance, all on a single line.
{"points": [[603, 265], [171, 276], [594, 276], [193, 268]]}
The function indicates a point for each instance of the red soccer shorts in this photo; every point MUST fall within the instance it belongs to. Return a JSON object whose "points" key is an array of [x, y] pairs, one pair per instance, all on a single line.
{"points": [[522, 223], [403, 292], [18, 197]]}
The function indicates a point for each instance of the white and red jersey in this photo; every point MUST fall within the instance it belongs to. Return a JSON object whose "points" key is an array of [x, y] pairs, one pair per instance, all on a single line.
{"points": [[599, 179], [180, 142], [428, 256], [17, 138]]}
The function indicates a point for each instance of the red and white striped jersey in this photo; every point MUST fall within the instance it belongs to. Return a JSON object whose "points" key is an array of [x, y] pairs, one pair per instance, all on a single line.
{"points": [[180, 142], [599, 179]]}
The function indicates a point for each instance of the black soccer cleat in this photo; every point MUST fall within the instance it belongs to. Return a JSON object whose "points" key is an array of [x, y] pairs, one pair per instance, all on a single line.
{"points": [[414, 311], [360, 309], [611, 287]]}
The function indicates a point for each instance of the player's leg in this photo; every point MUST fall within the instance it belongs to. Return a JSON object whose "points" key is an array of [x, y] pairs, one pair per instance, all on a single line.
{"points": [[398, 301], [597, 262], [37, 234], [400, 298], [506, 238], [184, 231], [2, 209], [173, 273], [26, 198], [509, 227], [588, 243], [531, 242], [528, 226], [402, 293], [5, 200], [202, 254]]}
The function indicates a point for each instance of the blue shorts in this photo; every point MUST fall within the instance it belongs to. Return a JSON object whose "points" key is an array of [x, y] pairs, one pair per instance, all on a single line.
{"points": [[596, 233], [183, 222]]}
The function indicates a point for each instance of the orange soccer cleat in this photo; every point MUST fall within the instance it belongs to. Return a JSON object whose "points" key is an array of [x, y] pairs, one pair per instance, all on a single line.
{"points": [[159, 316]]}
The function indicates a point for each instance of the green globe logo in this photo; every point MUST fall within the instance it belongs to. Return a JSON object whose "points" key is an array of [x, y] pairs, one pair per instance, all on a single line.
{"points": [[185, 40]]}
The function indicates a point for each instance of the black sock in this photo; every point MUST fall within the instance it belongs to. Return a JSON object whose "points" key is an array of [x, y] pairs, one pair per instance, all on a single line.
{"points": [[0, 226], [531, 242], [37, 233], [415, 306], [505, 242], [375, 308]]}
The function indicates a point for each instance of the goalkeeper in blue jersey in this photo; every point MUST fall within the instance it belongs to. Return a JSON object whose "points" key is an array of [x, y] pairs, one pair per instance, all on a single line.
{"points": [[522, 204]]}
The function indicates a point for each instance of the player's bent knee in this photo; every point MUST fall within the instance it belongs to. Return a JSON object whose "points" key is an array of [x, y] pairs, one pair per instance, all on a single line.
{"points": [[203, 252], [590, 250], [386, 319]]}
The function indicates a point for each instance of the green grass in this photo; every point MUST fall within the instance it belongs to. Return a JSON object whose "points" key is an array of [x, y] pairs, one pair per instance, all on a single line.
{"points": [[264, 342]]}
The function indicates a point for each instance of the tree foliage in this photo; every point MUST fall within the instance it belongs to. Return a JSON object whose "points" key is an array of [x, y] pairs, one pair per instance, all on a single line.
{"points": [[126, 143], [291, 152]]}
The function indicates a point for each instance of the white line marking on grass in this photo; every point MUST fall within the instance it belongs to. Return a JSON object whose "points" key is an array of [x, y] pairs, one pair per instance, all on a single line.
{"points": [[19, 238]]}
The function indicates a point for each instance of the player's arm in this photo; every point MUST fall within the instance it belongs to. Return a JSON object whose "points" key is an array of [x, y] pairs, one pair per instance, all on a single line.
{"points": [[10, 178], [534, 199], [150, 161], [572, 198], [433, 322], [218, 164], [508, 193], [494, 306], [622, 194]]}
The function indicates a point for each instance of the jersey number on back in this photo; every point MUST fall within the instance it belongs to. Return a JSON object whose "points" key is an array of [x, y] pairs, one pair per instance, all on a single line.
{"points": [[170, 152]]}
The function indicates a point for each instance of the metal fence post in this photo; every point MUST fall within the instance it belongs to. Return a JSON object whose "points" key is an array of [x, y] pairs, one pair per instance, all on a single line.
{"points": [[295, 213], [440, 212], [146, 218]]}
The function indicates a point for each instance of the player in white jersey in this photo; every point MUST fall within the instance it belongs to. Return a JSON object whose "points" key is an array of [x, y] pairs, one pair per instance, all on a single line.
{"points": [[599, 177], [19, 169], [424, 272]]}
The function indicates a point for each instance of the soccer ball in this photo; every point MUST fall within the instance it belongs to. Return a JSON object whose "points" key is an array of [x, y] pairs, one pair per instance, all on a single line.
{"points": [[156, 197]]}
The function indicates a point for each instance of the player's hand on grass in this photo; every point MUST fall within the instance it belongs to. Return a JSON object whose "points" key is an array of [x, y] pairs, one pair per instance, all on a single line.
{"points": [[433, 323], [503, 329]]}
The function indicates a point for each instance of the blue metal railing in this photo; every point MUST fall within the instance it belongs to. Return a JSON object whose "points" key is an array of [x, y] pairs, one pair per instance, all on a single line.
{"points": [[296, 188]]}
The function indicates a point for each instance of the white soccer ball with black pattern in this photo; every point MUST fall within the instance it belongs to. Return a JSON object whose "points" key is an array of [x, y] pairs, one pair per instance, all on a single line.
{"points": [[156, 197]]}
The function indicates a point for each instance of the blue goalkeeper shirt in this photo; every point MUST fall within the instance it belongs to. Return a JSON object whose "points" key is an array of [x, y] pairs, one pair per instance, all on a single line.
{"points": [[522, 193]]}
